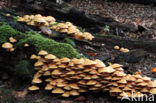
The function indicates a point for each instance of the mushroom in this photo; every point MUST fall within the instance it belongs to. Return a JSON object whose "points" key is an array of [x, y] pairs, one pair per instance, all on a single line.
{"points": [[49, 87], [33, 88], [74, 93], [42, 53], [7, 45], [12, 40], [36, 81], [116, 47], [26, 45], [58, 91]]}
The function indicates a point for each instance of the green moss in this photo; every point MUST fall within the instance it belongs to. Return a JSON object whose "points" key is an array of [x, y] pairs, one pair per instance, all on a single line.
{"points": [[6, 32], [51, 46], [38, 42]]}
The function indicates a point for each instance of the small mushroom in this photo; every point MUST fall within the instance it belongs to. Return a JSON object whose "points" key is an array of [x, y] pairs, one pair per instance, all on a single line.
{"points": [[58, 91], [12, 40], [116, 47], [42, 53], [7, 45], [33, 88]]}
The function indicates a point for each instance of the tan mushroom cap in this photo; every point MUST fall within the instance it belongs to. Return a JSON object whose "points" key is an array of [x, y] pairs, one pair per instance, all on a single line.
{"points": [[95, 76], [42, 52], [74, 86], [152, 83], [71, 73], [49, 87], [142, 84], [126, 88], [47, 73], [144, 90], [82, 82], [63, 30], [67, 87], [50, 56], [116, 66], [58, 91], [56, 72], [89, 62], [66, 94], [122, 81], [60, 84], [91, 82], [20, 19], [36, 81], [74, 93], [39, 19], [65, 60], [12, 40], [99, 63], [48, 79], [33, 88], [79, 61], [52, 66], [153, 91], [115, 90], [116, 47], [7, 45], [108, 69], [26, 45], [38, 63], [11, 49]]}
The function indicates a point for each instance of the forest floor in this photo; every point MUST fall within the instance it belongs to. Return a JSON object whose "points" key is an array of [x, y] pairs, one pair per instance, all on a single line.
{"points": [[12, 91]]}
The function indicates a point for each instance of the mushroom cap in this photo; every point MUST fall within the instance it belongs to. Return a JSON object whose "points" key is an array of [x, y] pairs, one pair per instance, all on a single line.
{"points": [[58, 91], [39, 19], [125, 50], [79, 61], [49, 87], [48, 79], [82, 82], [52, 66], [95, 76], [69, 23], [89, 62], [114, 66], [47, 73], [49, 18], [74, 86], [38, 63], [99, 63], [116, 47], [93, 71], [71, 73], [65, 60], [74, 93], [126, 88], [56, 72], [60, 84], [7, 45], [20, 19], [42, 52], [153, 91], [36, 81], [63, 30], [144, 90], [91, 82], [142, 84], [122, 81], [26, 45], [66, 94], [152, 83], [33, 88], [108, 69], [67, 87], [50, 56], [12, 40], [115, 90]]}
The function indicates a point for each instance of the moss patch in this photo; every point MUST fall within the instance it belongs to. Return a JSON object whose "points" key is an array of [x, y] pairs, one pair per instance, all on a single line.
{"points": [[38, 42], [6, 32]]}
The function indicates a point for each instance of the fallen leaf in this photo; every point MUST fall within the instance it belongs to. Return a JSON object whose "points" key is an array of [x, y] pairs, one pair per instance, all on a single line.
{"points": [[92, 54], [154, 69]]}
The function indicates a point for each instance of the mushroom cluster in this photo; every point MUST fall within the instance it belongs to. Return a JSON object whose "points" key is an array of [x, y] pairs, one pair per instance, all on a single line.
{"points": [[49, 21], [9, 45], [70, 77]]}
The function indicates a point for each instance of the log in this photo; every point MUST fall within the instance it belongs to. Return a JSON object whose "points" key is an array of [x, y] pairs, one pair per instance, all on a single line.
{"points": [[67, 12]]}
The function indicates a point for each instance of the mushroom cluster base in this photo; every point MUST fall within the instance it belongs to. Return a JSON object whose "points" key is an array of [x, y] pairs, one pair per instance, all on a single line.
{"points": [[71, 77]]}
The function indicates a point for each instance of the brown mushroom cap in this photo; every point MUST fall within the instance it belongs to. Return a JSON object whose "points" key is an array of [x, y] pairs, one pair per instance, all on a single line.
{"points": [[66, 94], [12, 40], [49, 87], [36, 80], [99, 63], [89, 62], [152, 83], [153, 91], [39, 19], [74, 86], [116, 47], [56, 72], [33, 56], [108, 69], [38, 63], [65, 60], [42, 52], [26, 45], [74, 93], [7, 45], [58, 91], [91, 82], [33, 88]]}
